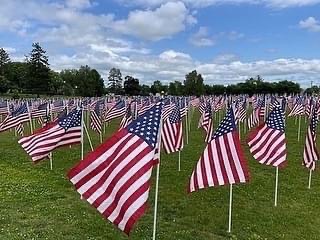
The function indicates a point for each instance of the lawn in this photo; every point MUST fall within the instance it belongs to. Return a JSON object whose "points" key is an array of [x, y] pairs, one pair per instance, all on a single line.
{"points": [[37, 203]]}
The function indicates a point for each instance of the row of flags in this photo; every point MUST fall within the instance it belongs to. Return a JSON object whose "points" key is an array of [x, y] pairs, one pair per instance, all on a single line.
{"points": [[115, 177]]}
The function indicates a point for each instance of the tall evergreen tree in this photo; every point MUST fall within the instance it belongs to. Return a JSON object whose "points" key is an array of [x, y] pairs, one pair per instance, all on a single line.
{"points": [[115, 80], [4, 60], [39, 71]]}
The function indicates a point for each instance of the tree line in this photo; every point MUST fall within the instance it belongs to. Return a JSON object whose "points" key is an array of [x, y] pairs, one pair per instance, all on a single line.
{"points": [[34, 76]]}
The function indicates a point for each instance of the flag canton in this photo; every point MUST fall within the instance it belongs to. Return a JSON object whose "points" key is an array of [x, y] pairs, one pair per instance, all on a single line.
{"points": [[3, 104], [20, 110], [119, 105], [42, 106], [208, 109], [73, 119], [174, 116], [98, 107], [314, 122], [275, 119], [147, 125], [227, 125], [58, 103]]}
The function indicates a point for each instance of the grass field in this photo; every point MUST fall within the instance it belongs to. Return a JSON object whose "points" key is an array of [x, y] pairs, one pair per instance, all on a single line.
{"points": [[36, 203]]}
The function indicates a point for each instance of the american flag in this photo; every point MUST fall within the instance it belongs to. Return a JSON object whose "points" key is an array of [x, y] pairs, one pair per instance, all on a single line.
{"points": [[273, 103], [183, 107], [267, 142], [145, 106], [16, 117], [41, 111], [309, 106], [20, 129], [262, 106], [222, 161], [58, 106], [95, 117], [127, 118], [117, 110], [219, 105], [3, 107], [172, 138], [206, 122], [195, 102], [310, 152], [298, 108], [66, 131], [115, 178]]}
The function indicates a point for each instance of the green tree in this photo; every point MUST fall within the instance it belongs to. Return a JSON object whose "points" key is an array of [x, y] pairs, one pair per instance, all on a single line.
{"points": [[88, 82], [17, 73], [175, 88], [194, 84], [157, 87], [39, 71], [131, 86], [115, 80], [69, 80], [145, 90], [4, 61]]}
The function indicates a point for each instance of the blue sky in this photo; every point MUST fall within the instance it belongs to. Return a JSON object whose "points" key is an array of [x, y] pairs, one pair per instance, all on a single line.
{"points": [[225, 40]]}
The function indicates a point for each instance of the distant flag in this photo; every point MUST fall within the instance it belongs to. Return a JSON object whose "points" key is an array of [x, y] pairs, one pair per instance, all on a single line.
{"points": [[115, 178], [310, 152], [127, 118], [206, 122], [16, 117], [267, 142], [223, 161], [298, 108], [3, 107], [117, 110], [66, 131], [95, 117], [172, 132]]}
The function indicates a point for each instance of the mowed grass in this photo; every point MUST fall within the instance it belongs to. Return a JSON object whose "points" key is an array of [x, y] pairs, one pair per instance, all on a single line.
{"points": [[36, 203]]}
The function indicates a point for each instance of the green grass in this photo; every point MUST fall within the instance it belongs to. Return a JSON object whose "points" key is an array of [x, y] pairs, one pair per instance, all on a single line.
{"points": [[36, 203]]}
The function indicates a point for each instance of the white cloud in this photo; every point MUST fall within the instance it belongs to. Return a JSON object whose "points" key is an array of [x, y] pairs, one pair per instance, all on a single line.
{"points": [[163, 22], [78, 4], [311, 24], [10, 50], [202, 38], [225, 58], [206, 3]]}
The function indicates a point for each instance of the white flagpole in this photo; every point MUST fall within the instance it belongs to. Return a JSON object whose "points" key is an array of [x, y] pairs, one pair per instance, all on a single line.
{"points": [[299, 128], [82, 138], [179, 163], [276, 188], [310, 176], [30, 119], [90, 142], [230, 209], [187, 133], [50, 159], [157, 185]]}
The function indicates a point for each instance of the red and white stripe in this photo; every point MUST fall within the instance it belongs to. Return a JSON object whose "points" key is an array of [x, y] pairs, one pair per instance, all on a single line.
{"points": [[268, 146], [40, 144], [11, 122], [221, 163], [115, 178], [172, 136]]}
